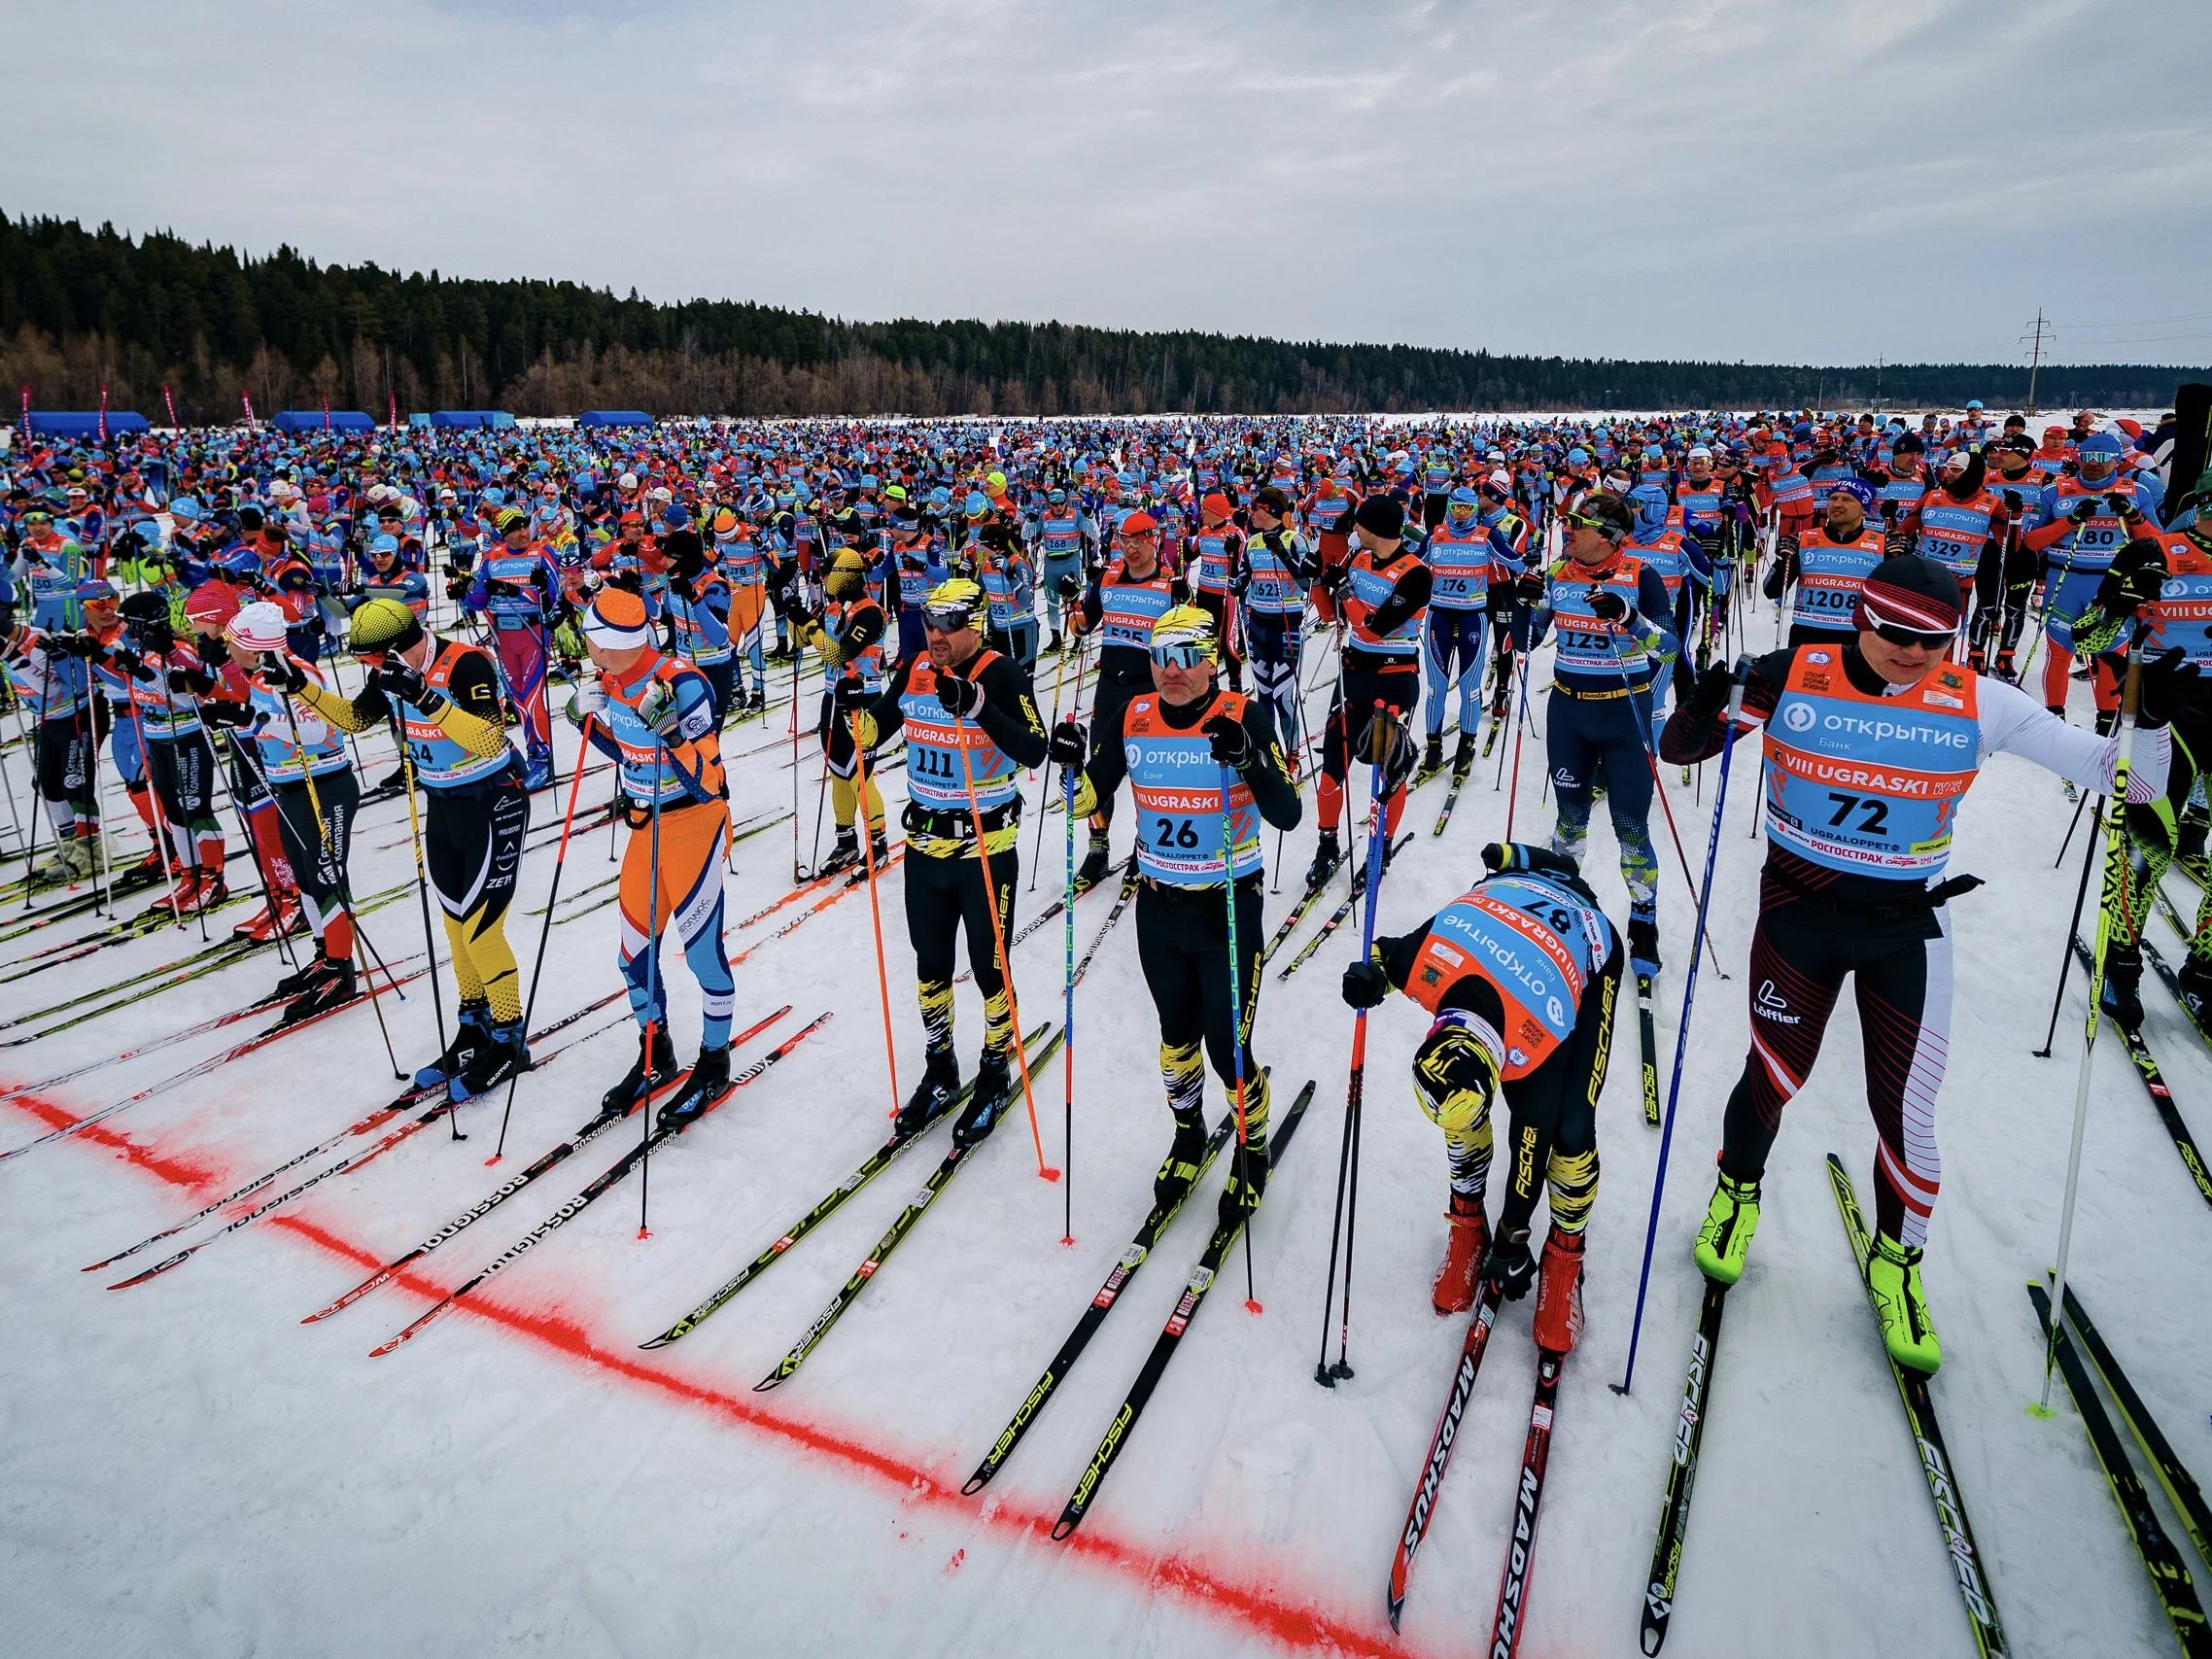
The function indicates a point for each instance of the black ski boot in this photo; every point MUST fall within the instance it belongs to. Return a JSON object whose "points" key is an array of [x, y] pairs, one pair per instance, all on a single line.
{"points": [[992, 1094], [1180, 1168], [2122, 1001], [1327, 856], [2195, 990], [1432, 753], [1463, 757], [467, 1036], [940, 1083], [1092, 870], [331, 986], [500, 1056], [1246, 1181], [843, 855], [305, 975], [635, 1082], [1643, 946], [709, 1077], [757, 703]]}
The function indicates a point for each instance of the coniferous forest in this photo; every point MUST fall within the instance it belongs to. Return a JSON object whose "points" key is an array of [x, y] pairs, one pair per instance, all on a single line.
{"points": [[82, 308]]}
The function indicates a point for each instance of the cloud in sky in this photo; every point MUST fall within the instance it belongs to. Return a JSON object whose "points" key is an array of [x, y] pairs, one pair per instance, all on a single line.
{"points": [[1719, 179]]}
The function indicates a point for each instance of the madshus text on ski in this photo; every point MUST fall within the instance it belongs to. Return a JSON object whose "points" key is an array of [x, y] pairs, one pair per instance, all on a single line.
{"points": [[229, 623]]}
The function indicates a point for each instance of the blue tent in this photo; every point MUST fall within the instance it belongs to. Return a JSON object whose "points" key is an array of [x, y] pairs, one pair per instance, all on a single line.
{"points": [[615, 418], [471, 418], [84, 423], [312, 421]]}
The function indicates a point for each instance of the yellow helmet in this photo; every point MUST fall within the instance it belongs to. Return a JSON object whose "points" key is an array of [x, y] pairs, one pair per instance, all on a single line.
{"points": [[953, 604], [1185, 625], [384, 625]]}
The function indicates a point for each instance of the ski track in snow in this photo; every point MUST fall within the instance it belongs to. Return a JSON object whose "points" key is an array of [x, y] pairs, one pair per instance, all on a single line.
{"points": [[184, 1470]]}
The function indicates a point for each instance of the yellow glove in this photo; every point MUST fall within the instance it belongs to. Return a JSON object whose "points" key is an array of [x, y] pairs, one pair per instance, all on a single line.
{"points": [[864, 732]]}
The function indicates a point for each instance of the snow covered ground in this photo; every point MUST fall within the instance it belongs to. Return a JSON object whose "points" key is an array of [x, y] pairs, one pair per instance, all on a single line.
{"points": [[186, 1470]]}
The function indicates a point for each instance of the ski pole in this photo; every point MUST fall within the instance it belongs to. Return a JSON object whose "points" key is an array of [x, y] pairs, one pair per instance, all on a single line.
{"points": [[1682, 1032], [1347, 1174], [876, 916], [177, 772], [1240, 1026], [261, 869], [1067, 1014], [653, 1011], [2073, 925], [324, 834], [422, 892], [1651, 759], [2115, 883], [1037, 852], [160, 813], [796, 653], [998, 943], [2071, 824]]}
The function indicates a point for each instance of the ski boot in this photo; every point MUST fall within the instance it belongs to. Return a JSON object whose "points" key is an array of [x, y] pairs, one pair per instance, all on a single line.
{"points": [[184, 897], [1509, 1265], [939, 1085], [1453, 1291], [1092, 870], [642, 1080], [2189, 838], [498, 1057], [1327, 856], [1725, 1238], [470, 1027], [2121, 1001], [2195, 990], [389, 788], [1559, 1292], [214, 890], [144, 874], [1463, 757], [1643, 947], [1247, 1183], [292, 984], [1893, 1275], [757, 703], [992, 1094], [709, 1077], [331, 986], [285, 919], [1180, 1168], [537, 774], [1432, 754], [844, 854]]}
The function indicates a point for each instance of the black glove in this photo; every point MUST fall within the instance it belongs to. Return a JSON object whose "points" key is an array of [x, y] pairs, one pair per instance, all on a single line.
{"points": [[2138, 572], [405, 684], [456, 587], [1231, 743], [632, 580], [2170, 683], [85, 645], [958, 697], [1608, 607], [1365, 984], [2083, 512], [851, 694], [279, 672], [1509, 1265], [223, 712], [2125, 506], [1069, 747], [1069, 589], [1529, 588], [181, 680], [2013, 505], [132, 664], [504, 590], [1335, 578], [1710, 695]]}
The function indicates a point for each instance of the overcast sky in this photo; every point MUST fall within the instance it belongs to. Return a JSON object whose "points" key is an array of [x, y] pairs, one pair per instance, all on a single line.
{"points": [[1768, 180]]}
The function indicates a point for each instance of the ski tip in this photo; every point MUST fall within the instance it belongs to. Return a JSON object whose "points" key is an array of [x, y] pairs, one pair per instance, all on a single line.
{"points": [[770, 1381], [379, 1353], [976, 1483], [1064, 1528], [1396, 1608]]}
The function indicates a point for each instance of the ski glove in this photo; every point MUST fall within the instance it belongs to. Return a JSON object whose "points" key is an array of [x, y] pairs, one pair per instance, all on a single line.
{"points": [[958, 697], [658, 708], [2138, 572], [407, 685], [1608, 607], [1509, 1267], [1068, 746], [587, 702], [1231, 743], [281, 673], [2083, 514], [1365, 984], [1085, 796]]}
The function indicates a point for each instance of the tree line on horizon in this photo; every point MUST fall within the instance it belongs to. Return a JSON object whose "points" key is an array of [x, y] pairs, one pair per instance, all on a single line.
{"points": [[82, 308]]}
